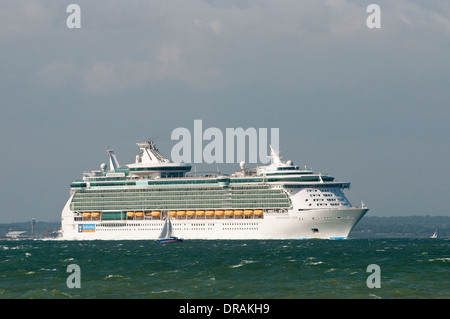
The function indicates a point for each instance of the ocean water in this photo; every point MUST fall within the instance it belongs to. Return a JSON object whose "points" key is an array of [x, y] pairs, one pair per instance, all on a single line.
{"points": [[193, 269]]}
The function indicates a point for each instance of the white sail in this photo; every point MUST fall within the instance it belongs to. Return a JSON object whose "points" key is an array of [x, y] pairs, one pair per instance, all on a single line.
{"points": [[169, 228], [166, 232]]}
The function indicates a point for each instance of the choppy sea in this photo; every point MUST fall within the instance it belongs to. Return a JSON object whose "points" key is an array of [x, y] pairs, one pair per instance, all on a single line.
{"points": [[196, 269]]}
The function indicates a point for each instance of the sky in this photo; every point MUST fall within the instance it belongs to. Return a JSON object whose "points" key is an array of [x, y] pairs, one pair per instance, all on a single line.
{"points": [[368, 106]]}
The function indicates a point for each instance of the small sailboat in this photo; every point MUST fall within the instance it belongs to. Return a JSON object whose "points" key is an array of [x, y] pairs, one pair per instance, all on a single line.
{"points": [[434, 235], [166, 235]]}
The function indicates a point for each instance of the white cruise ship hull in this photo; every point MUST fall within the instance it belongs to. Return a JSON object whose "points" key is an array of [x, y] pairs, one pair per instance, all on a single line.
{"points": [[323, 224]]}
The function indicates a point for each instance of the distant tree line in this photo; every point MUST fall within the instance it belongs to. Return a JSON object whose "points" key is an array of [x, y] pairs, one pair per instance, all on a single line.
{"points": [[405, 226], [41, 229]]}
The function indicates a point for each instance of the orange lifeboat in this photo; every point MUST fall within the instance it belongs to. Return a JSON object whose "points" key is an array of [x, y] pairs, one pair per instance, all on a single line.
{"points": [[172, 213], [200, 213], [219, 212], [239, 212], [156, 213], [229, 212], [259, 212], [191, 212]]}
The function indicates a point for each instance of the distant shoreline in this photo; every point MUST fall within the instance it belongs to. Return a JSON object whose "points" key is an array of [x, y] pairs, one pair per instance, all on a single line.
{"points": [[418, 226]]}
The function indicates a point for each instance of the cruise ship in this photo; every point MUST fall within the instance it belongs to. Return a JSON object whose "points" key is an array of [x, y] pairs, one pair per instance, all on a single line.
{"points": [[275, 201]]}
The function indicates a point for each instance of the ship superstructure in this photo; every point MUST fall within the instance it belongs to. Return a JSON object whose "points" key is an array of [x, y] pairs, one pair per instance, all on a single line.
{"points": [[276, 201]]}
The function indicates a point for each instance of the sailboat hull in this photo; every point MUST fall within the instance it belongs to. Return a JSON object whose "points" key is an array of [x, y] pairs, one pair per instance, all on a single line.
{"points": [[169, 240]]}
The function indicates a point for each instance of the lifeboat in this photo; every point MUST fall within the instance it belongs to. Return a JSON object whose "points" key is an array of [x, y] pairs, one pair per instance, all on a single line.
{"points": [[219, 212], [209, 213], [156, 213], [87, 215], [259, 212], [229, 212], [148, 214], [172, 213], [248, 212], [191, 212], [130, 214], [95, 215], [200, 213], [181, 213], [239, 212], [139, 214]]}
